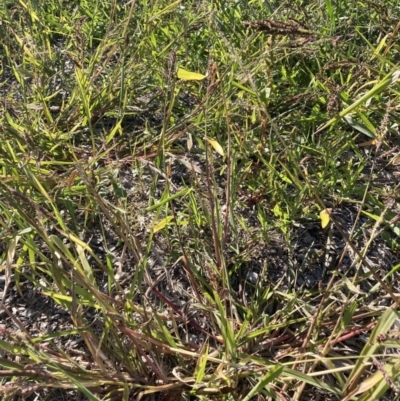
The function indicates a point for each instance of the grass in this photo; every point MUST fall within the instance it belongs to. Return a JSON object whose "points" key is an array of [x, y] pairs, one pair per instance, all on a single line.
{"points": [[162, 167]]}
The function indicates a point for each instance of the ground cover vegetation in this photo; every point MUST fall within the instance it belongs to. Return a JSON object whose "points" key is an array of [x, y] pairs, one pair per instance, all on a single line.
{"points": [[199, 200]]}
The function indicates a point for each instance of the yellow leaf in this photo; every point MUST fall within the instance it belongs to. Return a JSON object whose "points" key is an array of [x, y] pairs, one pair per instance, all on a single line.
{"points": [[380, 47], [162, 224], [189, 76], [391, 368], [324, 216], [216, 146]]}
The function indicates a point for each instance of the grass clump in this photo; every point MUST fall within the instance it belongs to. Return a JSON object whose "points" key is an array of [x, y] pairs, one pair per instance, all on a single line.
{"points": [[199, 200]]}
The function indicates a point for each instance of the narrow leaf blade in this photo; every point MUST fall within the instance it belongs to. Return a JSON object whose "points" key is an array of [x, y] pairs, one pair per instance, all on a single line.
{"points": [[189, 75]]}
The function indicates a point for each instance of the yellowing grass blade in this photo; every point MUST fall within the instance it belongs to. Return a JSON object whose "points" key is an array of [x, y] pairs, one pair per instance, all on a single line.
{"points": [[189, 76], [382, 327], [116, 129], [369, 143], [376, 385], [165, 10], [162, 224], [8, 267], [201, 365], [242, 87], [216, 146], [381, 45], [31, 12], [85, 264], [350, 285]]}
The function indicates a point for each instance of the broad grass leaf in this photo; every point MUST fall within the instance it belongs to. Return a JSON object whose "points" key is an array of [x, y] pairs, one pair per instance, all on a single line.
{"points": [[376, 385], [216, 146], [388, 80], [117, 128], [162, 224], [240, 86], [361, 128], [201, 365], [331, 13], [182, 192], [383, 326], [273, 374], [313, 381], [381, 45], [85, 264], [189, 76], [350, 285], [82, 385], [225, 326]]}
